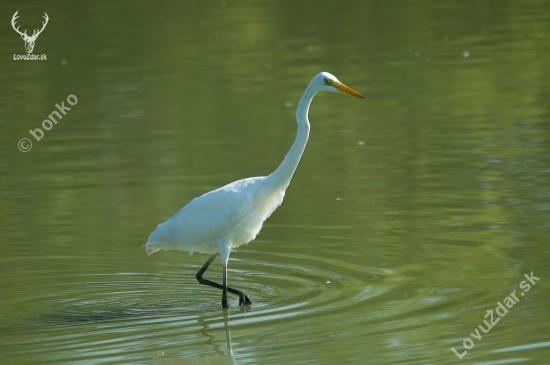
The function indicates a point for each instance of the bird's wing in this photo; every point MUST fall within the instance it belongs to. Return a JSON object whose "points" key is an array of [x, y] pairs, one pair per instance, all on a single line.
{"points": [[207, 217], [215, 214]]}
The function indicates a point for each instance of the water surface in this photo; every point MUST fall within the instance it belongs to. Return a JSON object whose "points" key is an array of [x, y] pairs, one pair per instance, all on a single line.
{"points": [[412, 212]]}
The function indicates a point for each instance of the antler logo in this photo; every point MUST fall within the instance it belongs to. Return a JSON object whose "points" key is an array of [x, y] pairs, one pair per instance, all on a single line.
{"points": [[29, 41]]}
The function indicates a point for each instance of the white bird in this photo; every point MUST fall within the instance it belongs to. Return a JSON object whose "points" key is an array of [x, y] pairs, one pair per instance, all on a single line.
{"points": [[226, 218]]}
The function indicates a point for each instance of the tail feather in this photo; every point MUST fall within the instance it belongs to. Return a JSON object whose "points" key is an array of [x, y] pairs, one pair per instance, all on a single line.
{"points": [[151, 248], [152, 245]]}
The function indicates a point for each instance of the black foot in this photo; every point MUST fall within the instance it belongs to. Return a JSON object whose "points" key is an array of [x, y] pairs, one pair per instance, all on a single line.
{"points": [[244, 299]]}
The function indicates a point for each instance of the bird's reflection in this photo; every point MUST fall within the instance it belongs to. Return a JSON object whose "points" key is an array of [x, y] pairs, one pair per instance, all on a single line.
{"points": [[222, 358]]}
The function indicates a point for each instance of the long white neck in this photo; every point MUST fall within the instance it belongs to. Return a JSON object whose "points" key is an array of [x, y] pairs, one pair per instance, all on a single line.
{"points": [[280, 178]]}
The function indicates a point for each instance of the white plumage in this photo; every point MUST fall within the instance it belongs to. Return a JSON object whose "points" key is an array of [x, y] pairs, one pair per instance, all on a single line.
{"points": [[232, 215], [226, 217]]}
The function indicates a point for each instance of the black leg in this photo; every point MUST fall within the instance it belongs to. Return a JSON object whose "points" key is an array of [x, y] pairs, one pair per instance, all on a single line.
{"points": [[224, 295], [243, 298]]}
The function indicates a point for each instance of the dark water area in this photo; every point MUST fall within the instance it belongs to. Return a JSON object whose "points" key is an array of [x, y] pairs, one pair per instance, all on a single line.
{"points": [[411, 215]]}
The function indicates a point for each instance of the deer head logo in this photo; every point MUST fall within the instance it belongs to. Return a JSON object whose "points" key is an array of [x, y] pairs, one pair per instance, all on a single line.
{"points": [[29, 41]]}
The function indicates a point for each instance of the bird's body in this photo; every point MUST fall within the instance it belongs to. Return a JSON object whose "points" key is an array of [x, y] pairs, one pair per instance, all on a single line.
{"points": [[233, 215], [219, 220]]}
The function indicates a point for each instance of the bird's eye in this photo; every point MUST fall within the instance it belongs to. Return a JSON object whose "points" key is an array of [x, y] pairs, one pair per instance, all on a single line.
{"points": [[326, 81]]}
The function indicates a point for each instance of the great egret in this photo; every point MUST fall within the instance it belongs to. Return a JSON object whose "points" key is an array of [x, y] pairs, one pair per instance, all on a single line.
{"points": [[225, 218]]}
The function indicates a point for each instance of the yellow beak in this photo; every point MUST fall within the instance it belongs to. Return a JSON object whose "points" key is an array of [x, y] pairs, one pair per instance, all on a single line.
{"points": [[343, 88]]}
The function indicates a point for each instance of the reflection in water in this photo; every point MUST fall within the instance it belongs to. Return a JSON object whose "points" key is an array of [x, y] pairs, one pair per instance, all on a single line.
{"points": [[407, 220], [228, 358]]}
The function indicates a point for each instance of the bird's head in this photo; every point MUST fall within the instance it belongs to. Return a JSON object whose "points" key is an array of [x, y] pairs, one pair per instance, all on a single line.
{"points": [[328, 82]]}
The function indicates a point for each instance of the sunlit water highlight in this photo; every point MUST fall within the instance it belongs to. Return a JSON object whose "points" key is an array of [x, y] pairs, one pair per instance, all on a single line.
{"points": [[411, 214]]}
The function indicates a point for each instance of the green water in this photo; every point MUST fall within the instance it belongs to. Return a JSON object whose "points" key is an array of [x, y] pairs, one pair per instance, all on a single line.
{"points": [[411, 214]]}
